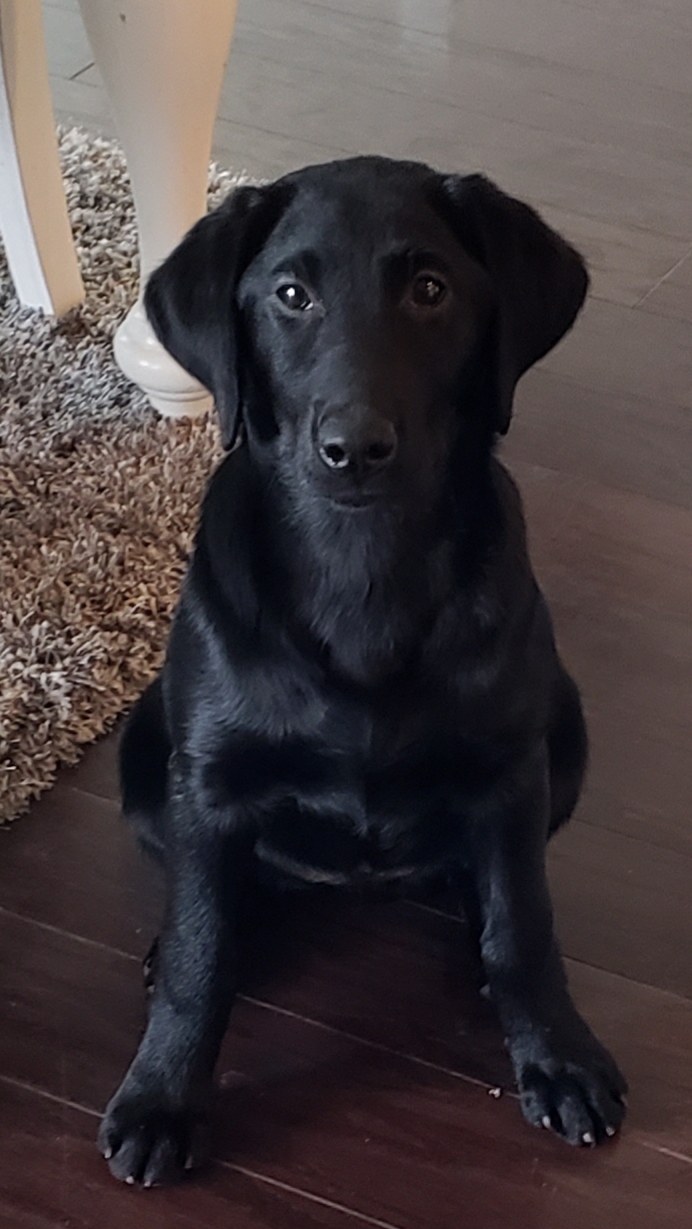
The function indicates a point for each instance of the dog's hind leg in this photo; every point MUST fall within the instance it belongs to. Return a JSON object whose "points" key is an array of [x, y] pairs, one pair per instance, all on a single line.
{"points": [[149, 966], [567, 750], [143, 762]]}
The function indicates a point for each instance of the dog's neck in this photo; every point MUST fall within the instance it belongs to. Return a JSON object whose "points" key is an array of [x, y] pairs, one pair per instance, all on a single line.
{"points": [[367, 586], [363, 591], [371, 590]]}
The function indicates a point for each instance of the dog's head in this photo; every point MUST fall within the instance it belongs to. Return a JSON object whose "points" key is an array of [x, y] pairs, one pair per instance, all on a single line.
{"points": [[362, 317]]}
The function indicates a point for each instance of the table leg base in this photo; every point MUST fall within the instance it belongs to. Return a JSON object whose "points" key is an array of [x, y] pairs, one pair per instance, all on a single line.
{"points": [[171, 390]]}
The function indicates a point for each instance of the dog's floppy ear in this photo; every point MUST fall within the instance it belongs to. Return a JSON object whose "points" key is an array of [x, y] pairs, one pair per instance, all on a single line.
{"points": [[190, 298], [540, 281]]}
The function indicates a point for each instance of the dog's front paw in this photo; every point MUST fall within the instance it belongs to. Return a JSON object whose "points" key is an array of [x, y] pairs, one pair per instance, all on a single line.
{"points": [[146, 1140], [578, 1095]]}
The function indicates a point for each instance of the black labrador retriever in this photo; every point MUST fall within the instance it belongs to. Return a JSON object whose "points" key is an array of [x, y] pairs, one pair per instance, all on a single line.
{"points": [[362, 684]]}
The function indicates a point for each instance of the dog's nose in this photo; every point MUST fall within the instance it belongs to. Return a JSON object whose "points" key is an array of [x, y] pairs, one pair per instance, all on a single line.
{"points": [[366, 445]]}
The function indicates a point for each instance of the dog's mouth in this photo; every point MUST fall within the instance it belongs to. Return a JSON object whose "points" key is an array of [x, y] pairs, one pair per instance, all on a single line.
{"points": [[353, 501], [356, 495]]}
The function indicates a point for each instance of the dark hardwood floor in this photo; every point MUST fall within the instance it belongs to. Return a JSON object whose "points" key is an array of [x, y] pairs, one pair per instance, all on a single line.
{"points": [[363, 1080]]}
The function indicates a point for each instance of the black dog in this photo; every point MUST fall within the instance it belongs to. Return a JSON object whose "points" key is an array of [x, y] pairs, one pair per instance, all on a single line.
{"points": [[362, 683]]}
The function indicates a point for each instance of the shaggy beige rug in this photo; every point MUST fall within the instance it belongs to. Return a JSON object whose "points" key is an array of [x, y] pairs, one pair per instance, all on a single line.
{"points": [[98, 497]]}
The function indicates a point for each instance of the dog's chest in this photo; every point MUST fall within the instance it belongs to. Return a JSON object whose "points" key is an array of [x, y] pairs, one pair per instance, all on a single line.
{"points": [[387, 805]]}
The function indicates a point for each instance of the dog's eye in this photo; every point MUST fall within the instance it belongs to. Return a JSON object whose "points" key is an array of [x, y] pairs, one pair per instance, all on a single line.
{"points": [[427, 290], [294, 296]]}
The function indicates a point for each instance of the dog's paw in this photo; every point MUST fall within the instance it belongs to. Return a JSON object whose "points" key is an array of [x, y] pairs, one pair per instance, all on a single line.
{"points": [[146, 1141], [581, 1098]]}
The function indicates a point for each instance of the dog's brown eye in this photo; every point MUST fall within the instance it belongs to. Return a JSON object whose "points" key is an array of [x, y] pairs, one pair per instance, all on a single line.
{"points": [[294, 296], [427, 290]]}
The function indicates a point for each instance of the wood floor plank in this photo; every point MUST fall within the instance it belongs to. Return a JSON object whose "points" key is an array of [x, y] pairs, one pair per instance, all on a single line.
{"points": [[615, 569], [623, 905], [611, 347], [625, 262], [321, 1111], [67, 46], [51, 1176], [642, 445], [73, 864], [672, 295], [75, 102], [500, 81], [97, 771], [565, 170]]}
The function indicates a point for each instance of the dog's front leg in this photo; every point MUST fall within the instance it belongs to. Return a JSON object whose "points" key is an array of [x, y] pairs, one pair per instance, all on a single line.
{"points": [[567, 1080], [151, 1126]]}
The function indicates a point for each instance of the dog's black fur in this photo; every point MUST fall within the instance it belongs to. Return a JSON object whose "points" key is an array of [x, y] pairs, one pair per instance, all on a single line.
{"points": [[361, 684]]}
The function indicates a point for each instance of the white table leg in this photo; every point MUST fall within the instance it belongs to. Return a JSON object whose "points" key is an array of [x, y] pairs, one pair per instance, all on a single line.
{"points": [[163, 63], [33, 213]]}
